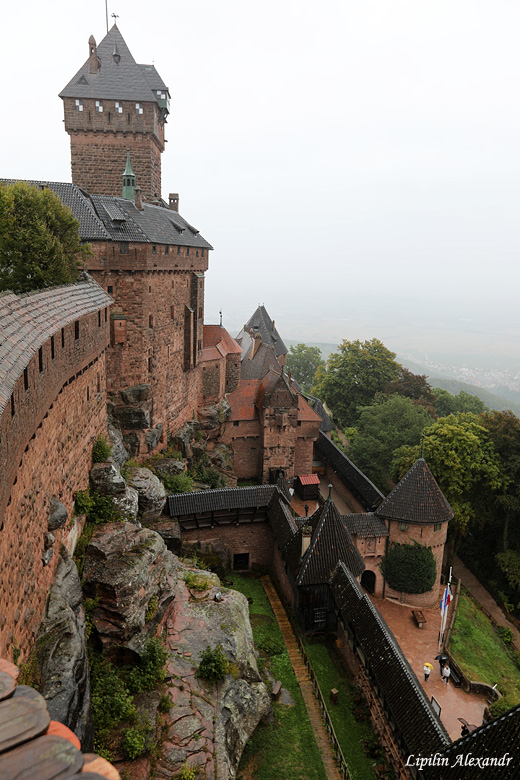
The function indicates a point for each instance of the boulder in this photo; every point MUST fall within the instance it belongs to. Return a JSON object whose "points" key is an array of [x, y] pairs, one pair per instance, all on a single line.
{"points": [[169, 467], [62, 655], [47, 556], [119, 452], [130, 418], [221, 456], [132, 443], [152, 496], [58, 516], [127, 504], [135, 395], [124, 568], [106, 479], [170, 530], [183, 438], [213, 416], [152, 437]]}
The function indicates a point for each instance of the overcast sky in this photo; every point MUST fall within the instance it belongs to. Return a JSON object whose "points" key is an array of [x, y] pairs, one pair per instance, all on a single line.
{"points": [[341, 157]]}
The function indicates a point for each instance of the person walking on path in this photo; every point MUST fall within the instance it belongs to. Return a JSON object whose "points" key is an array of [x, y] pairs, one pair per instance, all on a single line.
{"points": [[446, 673], [427, 669]]}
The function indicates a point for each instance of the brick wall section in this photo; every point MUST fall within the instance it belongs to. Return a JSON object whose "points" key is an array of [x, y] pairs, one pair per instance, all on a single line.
{"points": [[253, 538], [99, 143], [46, 451], [153, 291], [213, 380], [426, 535], [232, 372]]}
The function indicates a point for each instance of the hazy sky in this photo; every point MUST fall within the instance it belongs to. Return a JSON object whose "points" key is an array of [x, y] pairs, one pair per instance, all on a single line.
{"points": [[351, 162]]}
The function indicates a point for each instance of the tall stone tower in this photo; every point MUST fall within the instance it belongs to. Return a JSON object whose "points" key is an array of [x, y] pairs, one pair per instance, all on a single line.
{"points": [[115, 107]]}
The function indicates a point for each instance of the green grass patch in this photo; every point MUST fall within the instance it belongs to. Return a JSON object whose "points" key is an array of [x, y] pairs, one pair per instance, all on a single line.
{"points": [[286, 749], [481, 654], [356, 736]]}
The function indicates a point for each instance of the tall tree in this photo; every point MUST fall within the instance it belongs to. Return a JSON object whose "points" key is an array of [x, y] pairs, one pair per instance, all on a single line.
{"points": [[353, 375], [303, 362], [39, 239], [380, 430], [414, 386], [463, 461], [446, 403]]}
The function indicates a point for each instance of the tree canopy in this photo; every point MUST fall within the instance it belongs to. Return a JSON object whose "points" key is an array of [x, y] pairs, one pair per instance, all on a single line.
{"points": [[446, 403], [39, 239], [353, 375], [303, 362], [380, 430], [463, 460]]}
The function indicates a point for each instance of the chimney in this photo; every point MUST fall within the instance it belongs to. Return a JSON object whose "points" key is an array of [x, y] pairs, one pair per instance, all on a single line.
{"points": [[306, 538], [93, 62], [138, 199], [173, 199], [256, 345]]}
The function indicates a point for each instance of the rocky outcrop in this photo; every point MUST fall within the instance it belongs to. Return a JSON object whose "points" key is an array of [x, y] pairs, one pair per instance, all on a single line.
{"points": [[135, 394], [61, 652], [58, 516], [152, 496], [170, 530], [127, 504], [106, 478], [126, 570], [119, 452], [184, 437], [212, 417]]}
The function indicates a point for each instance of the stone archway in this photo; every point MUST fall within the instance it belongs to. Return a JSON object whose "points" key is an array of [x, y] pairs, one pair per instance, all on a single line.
{"points": [[368, 580]]}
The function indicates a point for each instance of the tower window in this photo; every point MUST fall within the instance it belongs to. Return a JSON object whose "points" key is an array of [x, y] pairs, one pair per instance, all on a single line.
{"points": [[202, 253], [76, 330], [99, 106], [150, 320], [40, 359], [166, 250], [119, 107], [138, 108], [187, 250], [79, 105], [172, 312], [123, 247], [150, 365], [25, 379], [154, 249], [63, 338], [197, 253], [52, 347], [99, 319], [110, 289], [178, 250]]}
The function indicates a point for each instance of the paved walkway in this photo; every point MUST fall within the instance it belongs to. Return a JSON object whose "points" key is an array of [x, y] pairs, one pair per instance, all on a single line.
{"points": [[484, 598], [300, 670], [420, 645]]}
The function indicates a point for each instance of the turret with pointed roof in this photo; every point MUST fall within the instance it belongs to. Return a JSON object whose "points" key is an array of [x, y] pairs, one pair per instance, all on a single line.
{"points": [[114, 106]]}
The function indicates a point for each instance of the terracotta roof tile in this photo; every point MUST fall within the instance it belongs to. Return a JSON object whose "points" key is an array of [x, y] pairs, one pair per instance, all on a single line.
{"points": [[305, 413], [309, 479], [242, 400], [217, 336]]}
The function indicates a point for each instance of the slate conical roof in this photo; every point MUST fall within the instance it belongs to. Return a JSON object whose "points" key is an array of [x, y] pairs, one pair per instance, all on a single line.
{"points": [[261, 322], [417, 498], [123, 79], [331, 542]]}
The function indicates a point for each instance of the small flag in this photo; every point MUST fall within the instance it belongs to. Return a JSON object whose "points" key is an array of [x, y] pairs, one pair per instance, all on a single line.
{"points": [[447, 598]]}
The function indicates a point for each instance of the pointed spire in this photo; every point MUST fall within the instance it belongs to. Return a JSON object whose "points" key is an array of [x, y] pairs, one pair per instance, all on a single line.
{"points": [[128, 180]]}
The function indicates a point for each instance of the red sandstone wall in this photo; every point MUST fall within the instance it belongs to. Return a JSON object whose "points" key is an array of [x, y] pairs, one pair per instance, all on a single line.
{"points": [[45, 451], [99, 143], [254, 538], [423, 534], [213, 380], [244, 438]]}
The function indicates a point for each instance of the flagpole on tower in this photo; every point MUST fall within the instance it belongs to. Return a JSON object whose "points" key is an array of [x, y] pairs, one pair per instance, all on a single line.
{"points": [[106, 12]]}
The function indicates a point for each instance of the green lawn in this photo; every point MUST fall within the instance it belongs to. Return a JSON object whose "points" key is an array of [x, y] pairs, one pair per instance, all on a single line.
{"points": [[286, 749], [352, 734], [480, 653]]}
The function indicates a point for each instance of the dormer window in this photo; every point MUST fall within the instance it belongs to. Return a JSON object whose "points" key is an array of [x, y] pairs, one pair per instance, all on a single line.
{"points": [[119, 107], [99, 106], [138, 108], [79, 105]]}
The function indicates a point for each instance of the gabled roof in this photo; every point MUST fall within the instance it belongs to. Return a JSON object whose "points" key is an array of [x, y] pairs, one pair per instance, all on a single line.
{"points": [[330, 543], [305, 413], [224, 498], [261, 322], [417, 498], [269, 385], [122, 80], [218, 337], [364, 524], [308, 479], [27, 321], [404, 697], [263, 361]]}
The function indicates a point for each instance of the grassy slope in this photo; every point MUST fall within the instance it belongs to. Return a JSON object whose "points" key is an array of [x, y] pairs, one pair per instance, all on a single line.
{"points": [[479, 652], [286, 750]]}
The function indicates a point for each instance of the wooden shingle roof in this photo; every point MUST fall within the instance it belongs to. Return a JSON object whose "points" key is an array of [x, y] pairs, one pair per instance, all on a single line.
{"points": [[28, 321], [417, 498], [421, 730]]}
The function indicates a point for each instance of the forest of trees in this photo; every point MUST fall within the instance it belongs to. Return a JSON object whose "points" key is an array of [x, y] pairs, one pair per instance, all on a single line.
{"points": [[389, 417]]}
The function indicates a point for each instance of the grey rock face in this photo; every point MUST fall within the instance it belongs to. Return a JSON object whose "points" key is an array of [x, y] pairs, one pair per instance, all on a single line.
{"points": [[131, 442], [62, 655], [124, 567], [106, 479], [153, 436], [213, 416], [127, 504], [47, 556], [130, 418], [170, 530], [119, 452], [152, 496], [136, 394], [58, 516], [184, 437], [169, 466]]}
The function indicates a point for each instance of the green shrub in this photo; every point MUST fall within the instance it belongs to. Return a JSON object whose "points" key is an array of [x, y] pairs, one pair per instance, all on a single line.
{"points": [[153, 606], [177, 483], [409, 568], [187, 773], [505, 634], [209, 475], [112, 702], [98, 509], [83, 502], [133, 743], [149, 670], [101, 449], [501, 706], [165, 703], [213, 664], [196, 581], [271, 646]]}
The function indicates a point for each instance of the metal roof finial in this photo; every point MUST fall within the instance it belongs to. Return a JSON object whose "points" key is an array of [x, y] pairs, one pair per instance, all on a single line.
{"points": [[220, 312]]}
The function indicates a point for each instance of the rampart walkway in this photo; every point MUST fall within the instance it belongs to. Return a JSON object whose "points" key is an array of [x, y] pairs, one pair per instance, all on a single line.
{"points": [[304, 681]]}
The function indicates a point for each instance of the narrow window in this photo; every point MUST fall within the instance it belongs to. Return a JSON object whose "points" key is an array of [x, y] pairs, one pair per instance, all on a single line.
{"points": [[119, 107], [202, 253], [150, 320], [167, 250], [52, 347], [178, 250], [123, 247], [154, 249], [187, 250], [172, 312], [128, 118], [200, 312], [63, 338], [106, 314], [79, 105], [149, 365], [76, 330], [138, 108], [109, 117], [12, 406], [98, 383], [197, 253], [168, 351], [99, 319], [99, 106], [40, 359], [110, 289], [199, 345], [25, 379], [88, 393]]}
